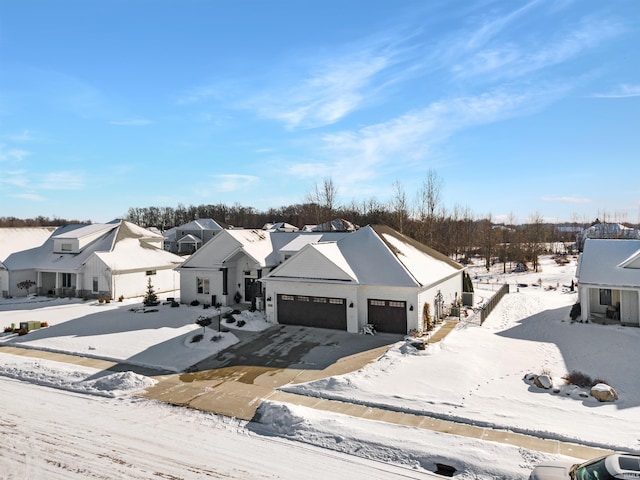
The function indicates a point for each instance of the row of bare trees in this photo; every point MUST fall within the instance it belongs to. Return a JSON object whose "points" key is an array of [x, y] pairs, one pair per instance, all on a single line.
{"points": [[457, 232]]}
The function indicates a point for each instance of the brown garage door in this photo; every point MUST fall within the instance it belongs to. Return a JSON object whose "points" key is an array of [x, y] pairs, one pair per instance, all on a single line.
{"points": [[388, 316], [310, 311]]}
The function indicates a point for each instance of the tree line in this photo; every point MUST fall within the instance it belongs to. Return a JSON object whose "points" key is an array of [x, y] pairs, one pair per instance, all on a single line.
{"points": [[456, 232]]}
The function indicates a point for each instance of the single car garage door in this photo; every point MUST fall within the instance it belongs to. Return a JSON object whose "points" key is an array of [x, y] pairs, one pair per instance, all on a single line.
{"points": [[310, 311], [389, 316]]}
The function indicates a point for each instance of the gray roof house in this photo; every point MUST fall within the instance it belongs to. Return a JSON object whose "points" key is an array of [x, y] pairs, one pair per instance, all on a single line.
{"points": [[339, 280], [187, 238], [609, 281], [98, 260]]}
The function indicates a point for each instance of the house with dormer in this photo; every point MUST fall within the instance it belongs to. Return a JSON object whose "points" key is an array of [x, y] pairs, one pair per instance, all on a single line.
{"points": [[105, 260]]}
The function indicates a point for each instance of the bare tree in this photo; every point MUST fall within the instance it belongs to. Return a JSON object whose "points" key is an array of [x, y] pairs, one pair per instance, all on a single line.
{"points": [[429, 197], [399, 205]]}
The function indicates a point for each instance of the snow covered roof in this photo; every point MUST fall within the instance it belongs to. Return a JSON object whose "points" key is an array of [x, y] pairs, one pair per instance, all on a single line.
{"points": [[201, 224], [190, 239], [337, 225], [16, 239], [375, 255], [611, 263], [280, 227], [44, 258], [262, 246]]}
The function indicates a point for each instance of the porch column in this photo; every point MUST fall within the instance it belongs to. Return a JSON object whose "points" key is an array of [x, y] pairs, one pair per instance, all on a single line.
{"points": [[38, 279], [585, 301]]}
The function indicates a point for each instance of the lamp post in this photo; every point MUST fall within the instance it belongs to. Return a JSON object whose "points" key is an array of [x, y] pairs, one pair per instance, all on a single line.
{"points": [[219, 320]]}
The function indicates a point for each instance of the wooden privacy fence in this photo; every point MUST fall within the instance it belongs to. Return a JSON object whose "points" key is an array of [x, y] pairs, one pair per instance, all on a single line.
{"points": [[491, 304]]}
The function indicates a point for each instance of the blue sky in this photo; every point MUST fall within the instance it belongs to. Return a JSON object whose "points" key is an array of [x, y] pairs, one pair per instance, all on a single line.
{"points": [[520, 108]]}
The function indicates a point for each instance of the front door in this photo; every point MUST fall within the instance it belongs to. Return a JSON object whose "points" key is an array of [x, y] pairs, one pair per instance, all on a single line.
{"points": [[251, 289]]}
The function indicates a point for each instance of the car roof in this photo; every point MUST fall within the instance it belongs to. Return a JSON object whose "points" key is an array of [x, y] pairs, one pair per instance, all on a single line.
{"points": [[623, 466]]}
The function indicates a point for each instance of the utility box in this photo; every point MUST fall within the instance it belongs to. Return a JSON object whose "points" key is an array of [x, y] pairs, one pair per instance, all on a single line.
{"points": [[467, 299], [28, 326]]}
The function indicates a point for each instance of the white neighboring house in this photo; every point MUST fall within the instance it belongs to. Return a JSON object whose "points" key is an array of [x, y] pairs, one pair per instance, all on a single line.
{"points": [[374, 275], [98, 260], [15, 239], [609, 281], [228, 267], [606, 230], [187, 238]]}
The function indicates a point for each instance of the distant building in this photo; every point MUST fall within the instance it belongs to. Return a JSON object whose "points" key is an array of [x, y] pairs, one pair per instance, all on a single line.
{"points": [[606, 230], [187, 238]]}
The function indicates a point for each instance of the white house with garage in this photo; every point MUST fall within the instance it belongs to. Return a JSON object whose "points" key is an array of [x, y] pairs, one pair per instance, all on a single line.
{"points": [[97, 260], [373, 276], [227, 269], [609, 281], [339, 280]]}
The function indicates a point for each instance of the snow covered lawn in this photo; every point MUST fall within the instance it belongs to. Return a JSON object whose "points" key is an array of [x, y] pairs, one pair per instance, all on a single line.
{"points": [[475, 375]]}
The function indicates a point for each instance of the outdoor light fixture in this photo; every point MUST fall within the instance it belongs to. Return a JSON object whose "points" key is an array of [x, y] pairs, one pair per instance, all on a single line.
{"points": [[351, 305], [411, 308]]}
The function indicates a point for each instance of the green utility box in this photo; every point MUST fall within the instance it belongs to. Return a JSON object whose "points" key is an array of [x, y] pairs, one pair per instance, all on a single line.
{"points": [[28, 326]]}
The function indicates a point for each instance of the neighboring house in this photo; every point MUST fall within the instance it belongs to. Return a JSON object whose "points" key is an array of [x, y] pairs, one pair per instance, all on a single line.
{"points": [[230, 265], [337, 225], [15, 239], [372, 276], [338, 280], [609, 280], [187, 238], [606, 230], [98, 260], [280, 227]]}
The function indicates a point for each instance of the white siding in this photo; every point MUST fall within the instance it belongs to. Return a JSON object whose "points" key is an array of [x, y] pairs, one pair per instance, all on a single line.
{"points": [[629, 307]]}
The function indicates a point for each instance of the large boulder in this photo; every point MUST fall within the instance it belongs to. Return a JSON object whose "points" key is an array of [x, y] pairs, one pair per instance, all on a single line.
{"points": [[604, 393], [543, 381]]}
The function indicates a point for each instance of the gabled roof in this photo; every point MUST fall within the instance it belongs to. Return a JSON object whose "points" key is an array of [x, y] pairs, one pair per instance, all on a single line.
{"points": [[16, 239], [610, 263], [190, 239], [113, 240], [375, 255], [201, 224], [262, 246]]}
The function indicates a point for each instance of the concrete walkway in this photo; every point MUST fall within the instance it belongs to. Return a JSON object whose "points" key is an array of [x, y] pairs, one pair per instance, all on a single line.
{"points": [[238, 391]]}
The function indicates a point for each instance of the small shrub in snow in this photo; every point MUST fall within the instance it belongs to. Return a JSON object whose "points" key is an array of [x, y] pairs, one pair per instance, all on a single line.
{"points": [[578, 379], [174, 304], [195, 303], [576, 311], [197, 338]]}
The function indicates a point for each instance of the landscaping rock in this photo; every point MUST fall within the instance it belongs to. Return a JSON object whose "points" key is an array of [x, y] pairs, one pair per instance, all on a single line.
{"points": [[543, 381], [604, 393]]}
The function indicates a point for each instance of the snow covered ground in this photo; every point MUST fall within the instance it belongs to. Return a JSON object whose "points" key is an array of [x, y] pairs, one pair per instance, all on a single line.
{"points": [[476, 375]]}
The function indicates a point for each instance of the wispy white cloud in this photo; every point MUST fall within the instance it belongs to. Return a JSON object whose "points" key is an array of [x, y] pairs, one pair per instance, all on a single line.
{"points": [[621, 91], [12, 154], [61, 181], [132, 122], [510, 58], [376, 151], [34, 197], [233, 182], [566, 199], [23, 137]]}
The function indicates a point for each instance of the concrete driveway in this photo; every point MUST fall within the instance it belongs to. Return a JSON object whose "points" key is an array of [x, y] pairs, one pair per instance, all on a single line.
{"points": [[235, 381]]}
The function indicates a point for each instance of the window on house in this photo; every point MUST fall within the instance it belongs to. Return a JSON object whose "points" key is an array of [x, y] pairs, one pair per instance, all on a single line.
{"points": [[66, 280], [65, 247], [203, 285], [605, 296], [151, 272], [95, 285]]}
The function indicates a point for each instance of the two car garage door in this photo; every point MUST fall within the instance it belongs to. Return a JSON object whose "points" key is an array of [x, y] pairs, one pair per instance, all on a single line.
{"points": [[327, 312]]}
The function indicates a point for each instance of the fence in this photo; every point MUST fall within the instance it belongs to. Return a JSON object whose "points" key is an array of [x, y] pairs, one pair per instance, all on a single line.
{"points": [[491, 304]]}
